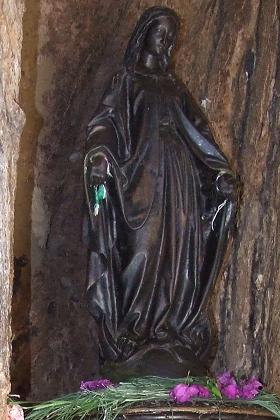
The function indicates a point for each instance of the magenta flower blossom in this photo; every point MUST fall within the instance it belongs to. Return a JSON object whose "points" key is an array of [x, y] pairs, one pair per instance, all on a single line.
{"points": [[95, 385], [179, 394], [246, 389], [225, 379], [193, 391], [250, 389], [183, 393], [203, 392], [230, 391], [228, 386]]}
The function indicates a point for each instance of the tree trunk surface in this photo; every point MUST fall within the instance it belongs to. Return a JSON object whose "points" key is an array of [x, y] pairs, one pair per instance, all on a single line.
{"points": [[11, 122], [228, 57]]}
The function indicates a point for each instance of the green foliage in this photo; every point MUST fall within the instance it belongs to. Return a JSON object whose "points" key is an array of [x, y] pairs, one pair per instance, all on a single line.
{"points": [[107, 404], [211, 384]]}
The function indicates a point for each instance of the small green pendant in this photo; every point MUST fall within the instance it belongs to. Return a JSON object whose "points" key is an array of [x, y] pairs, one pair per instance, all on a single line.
{"points": [[99, 194]]}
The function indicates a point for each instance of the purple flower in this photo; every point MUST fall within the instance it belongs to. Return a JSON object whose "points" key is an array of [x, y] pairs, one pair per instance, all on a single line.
{"points": [[230, 391], [247, 389], [95, 385], [179, 394], [182, 393], [193, 391], [228, 386], [203, 392], [225, 379], [250, 389]]}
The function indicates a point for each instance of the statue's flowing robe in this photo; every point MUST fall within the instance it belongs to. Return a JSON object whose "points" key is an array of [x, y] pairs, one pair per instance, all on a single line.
{"points": [[157, 243]]}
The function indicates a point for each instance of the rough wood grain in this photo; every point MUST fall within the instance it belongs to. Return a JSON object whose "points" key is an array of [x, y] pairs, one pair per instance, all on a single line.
{"points": [[21, 357], [228, 56], [11, 122]]}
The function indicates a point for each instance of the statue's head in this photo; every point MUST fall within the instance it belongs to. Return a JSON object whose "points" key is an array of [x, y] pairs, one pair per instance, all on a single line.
{"points": [[155, 33]]}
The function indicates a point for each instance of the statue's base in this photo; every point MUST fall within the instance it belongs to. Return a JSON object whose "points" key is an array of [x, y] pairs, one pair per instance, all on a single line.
{"points": [[205, 412]]}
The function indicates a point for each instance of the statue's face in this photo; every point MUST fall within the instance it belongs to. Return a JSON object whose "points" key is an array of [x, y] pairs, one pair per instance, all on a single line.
{"points": [[161, 37]]}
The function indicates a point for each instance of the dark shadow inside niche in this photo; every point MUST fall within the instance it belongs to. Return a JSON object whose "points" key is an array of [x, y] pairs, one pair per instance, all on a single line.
{"points": [[54, 338]]}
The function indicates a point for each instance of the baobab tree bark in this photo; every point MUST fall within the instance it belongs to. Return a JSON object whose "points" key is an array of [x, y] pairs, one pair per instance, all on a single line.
{"points": [[11, 122], [228, 56]]}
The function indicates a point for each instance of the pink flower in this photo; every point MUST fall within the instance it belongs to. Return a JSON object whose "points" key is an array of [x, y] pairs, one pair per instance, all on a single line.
{"points": [[250, 389], [247, 389], [95, 385], [225, 379], [228, 386], [203, 392], [15, 412], [182, 393], [179, 394], [193, 391], [230, 391]]}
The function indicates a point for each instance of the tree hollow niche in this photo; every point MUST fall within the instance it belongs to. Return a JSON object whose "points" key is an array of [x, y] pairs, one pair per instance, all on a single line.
{"points": [[228, 56]]}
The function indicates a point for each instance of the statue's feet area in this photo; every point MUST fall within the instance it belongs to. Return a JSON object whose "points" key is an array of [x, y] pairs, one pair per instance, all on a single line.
{"points": [[172, 363]]}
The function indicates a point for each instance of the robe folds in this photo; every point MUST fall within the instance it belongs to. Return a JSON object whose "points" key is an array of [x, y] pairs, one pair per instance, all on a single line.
{"points": [[157, 243]]}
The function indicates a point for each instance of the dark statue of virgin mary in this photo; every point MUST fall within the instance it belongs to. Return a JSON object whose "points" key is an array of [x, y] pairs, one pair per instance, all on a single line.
{"points": [[161, 200]]}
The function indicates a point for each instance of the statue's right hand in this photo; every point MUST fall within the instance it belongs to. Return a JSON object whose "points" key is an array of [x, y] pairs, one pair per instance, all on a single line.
{"points": [[226, 185], [98, 169]]}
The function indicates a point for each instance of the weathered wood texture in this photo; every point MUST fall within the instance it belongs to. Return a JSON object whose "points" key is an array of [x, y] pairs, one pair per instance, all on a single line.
{"points": [[11, 122], [20, 366], [228, 56]]}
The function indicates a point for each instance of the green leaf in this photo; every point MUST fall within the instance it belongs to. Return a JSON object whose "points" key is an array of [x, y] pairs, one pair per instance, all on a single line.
{"points": [[214, 389]]}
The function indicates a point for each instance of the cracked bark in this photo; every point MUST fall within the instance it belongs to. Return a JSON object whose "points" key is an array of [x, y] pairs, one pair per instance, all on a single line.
{"points": [[11, 121]]}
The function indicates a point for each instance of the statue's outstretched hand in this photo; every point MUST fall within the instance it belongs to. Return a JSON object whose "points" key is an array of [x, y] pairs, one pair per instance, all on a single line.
{"points": [[226, 184], [99, 169]]}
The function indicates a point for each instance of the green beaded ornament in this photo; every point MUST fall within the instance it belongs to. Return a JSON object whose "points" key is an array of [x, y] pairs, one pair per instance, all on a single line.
{"points": [[99, 194]]}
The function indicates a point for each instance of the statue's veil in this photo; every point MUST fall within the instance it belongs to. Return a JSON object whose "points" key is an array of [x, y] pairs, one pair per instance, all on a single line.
{"points": [[137, 38]]}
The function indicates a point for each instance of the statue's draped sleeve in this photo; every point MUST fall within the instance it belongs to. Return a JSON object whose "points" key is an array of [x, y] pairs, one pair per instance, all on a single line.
{"points": [[107, 130], [104, 138], [217, 211]]}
